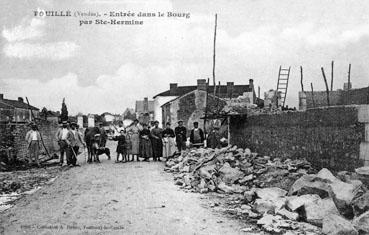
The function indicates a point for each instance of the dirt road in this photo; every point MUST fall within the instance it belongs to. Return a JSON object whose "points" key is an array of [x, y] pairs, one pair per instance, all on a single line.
{"points": [[110, 198]]}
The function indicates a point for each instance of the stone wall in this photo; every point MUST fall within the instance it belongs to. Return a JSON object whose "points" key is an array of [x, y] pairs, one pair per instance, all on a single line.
{"points": [[12, 136], [332, 137], [338, 97]]}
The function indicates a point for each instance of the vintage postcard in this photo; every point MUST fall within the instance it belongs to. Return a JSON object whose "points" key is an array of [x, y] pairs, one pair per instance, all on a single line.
{"points": [[184, 117]]}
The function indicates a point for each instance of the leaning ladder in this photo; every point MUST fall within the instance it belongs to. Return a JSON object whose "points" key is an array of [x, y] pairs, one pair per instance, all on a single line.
{"points": [[282, 85]]}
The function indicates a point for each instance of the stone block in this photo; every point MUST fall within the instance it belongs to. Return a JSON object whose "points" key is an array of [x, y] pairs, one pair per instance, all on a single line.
{"points": [[364, 152], [363, 114]]}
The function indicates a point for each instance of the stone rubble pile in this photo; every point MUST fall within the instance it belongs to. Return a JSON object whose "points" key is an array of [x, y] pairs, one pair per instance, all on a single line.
{"points": [[280, 196]]}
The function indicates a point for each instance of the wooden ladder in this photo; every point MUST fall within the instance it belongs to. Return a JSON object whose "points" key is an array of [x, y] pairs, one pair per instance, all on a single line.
{"points": [[282, 85]]}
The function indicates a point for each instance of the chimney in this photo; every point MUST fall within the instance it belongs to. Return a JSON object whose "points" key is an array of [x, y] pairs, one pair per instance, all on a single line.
{"points": [[146, 105], [173, 88], [230, 89], [20, 99], [1, 96], [347, 86], [251, 84], [201, 84]]}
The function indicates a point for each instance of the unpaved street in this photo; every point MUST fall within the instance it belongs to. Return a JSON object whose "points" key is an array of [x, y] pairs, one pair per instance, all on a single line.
{"points": [[110, 198]]}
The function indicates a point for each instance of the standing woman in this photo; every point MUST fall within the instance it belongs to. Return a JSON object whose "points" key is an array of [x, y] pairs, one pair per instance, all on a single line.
{"points": [[156, 141], [169, 143], [134, 133], [146, 149]]}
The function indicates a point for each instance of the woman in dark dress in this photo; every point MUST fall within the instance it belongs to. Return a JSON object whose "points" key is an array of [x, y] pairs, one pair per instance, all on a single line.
{"points": [[156, 141], [121, 147], [145, 143]]}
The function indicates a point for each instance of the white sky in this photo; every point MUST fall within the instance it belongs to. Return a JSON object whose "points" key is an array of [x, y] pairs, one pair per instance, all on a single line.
{"points": [[106, 68]]}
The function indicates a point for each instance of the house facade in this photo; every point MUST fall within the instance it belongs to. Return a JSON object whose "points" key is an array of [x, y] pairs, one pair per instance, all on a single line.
{"points": [[188, 102], [16, 110]]}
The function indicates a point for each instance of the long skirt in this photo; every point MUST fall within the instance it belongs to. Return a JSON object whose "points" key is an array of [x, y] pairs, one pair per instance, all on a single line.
{"points": [[146, 148], [169, 147], [157, 147], [135, 144]]}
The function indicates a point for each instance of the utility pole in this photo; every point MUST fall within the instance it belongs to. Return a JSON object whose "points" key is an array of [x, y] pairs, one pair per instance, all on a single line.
{"points": [[301, 81], [215, 39], [332, 75]]}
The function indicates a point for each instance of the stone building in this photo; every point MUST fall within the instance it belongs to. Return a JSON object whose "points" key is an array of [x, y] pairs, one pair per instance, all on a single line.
{"points": [[145, 110], [188, 102], [16, 110]]}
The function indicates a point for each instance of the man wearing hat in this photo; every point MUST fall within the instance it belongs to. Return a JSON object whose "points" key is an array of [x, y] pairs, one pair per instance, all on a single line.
{"points": [[76, 142], [33, 139], [65, 137], [181, 136], [197, 136]]}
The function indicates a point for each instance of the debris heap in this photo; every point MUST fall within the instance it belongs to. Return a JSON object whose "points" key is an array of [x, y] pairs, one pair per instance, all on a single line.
{"points": [[279, 195]]}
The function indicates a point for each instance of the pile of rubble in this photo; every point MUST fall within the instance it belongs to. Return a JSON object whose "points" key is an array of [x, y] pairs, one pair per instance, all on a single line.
{"points": [[281, 196], [17, 183]]}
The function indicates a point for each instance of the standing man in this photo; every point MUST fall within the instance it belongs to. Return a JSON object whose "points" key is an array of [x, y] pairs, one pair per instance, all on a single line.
{"points": [[181, 136], [64, 137], [77, 141], [197, 136], [103, 135], [156, 141], [33, 139]]}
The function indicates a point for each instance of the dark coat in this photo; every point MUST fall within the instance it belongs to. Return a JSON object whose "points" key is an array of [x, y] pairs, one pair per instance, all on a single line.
{"points": [[121, 147], [192, 139], [181, 133]]}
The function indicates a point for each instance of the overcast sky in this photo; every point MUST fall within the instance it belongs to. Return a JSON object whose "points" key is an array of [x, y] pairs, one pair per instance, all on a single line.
{"points": [[106, 68]]}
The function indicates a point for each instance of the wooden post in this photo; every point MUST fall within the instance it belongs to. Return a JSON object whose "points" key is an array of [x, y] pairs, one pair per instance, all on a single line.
{"points": [[206, 107], [349, 77], [34, 119], [229, 130], [301, 81], [258, 92], [215, 38], [326, 85], [312, 94], [218, 97], [332, 75]]}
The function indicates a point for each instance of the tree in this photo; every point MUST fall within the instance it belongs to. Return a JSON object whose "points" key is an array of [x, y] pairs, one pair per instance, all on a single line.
{"points": [[64, 112], [44, 113]]}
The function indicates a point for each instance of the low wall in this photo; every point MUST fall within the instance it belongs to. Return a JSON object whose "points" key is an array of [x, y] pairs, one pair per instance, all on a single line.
{"points": [[334, 137], [12, 135]]}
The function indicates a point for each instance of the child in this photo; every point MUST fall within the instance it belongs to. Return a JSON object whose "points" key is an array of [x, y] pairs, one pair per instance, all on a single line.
{"points": [[121, 147]]}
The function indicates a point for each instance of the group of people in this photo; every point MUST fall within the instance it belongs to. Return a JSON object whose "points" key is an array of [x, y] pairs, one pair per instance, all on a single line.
{"points": [[69, 138], [137, 140], [151, 141]]}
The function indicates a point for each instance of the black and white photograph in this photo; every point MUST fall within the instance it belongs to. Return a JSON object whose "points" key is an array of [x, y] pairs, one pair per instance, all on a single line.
{"points": [[185, 117]]}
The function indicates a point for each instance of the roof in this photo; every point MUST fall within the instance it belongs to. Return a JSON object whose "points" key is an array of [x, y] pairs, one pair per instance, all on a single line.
{"points": [[181, 90], [17, 104], [179, 97], [140, 106]]}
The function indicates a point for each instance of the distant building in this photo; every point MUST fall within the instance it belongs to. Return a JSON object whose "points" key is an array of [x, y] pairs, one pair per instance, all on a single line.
{"points": [[145, 110], [108, 117], [225, 92], [347, 96], [16, 110]]}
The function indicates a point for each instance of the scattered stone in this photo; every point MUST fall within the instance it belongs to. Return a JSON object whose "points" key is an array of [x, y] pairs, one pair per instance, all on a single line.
{"points": [[363, 170], [336, 225], [361, 223]]}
